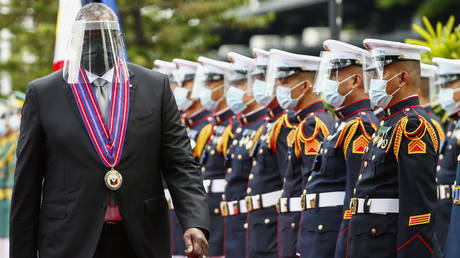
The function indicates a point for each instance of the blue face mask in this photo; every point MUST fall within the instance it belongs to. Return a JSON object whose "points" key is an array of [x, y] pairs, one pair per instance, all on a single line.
{"points": [[331, 92], [446, 99], [378, 92], [206, 98], [258, 88], [235, 99], [283, 95], [181, 96]]}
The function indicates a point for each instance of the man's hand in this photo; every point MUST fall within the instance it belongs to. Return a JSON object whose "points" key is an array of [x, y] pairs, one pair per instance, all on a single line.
{"points": [[196, 244]]}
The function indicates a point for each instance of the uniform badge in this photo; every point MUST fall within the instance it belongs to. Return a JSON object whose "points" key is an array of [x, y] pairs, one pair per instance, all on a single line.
{"points": [[419, 219], [416, 147], [360, 144], [312, 147]]}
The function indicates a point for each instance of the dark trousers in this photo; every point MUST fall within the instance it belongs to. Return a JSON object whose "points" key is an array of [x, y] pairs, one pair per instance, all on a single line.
{"points": [[114, 243]]}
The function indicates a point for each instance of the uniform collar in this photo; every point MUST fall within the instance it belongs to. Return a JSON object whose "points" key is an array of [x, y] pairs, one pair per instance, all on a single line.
{"points": [[313, 108], [353, 108], [400, 105], [221, 117], [197, 117], [252, 117], [274, 113]]}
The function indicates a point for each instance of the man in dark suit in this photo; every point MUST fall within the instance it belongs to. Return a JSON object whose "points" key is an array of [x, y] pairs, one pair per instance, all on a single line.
{"points": [[87, 189]]}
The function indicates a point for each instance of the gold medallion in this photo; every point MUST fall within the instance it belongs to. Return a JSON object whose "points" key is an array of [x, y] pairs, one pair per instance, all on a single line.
{"points": [[113, 179]]}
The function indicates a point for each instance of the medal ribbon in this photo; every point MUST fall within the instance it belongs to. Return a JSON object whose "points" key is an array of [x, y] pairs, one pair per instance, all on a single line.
{"points": [[108, 142]]}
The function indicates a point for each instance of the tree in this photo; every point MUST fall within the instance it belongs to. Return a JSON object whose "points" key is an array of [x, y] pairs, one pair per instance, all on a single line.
{"points": [[153, 29]]}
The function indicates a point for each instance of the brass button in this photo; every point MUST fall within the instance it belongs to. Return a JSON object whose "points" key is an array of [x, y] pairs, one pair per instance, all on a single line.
{"points": [[354, 191], [203, 169], [284, 180], [213, 152], [289, 157], [441, 157], [238, 130], [216, 211], [261, 151], [245, 225], [449, 147], [320, 227], [458, 158], [309, 178], [292, 225], [365, 164], [229, 170], [449, 134], [251, 176], [248, 191], [223, 197], [373, 157], [233, 156], [407, 109], [329, 137], [254, 163], [282, 191], [235, 142], [373, 231], [360, 176], [208, 148], [240, 157], [321, 151], [381, 123], [267, 220], [325, 151], [438, 168]]}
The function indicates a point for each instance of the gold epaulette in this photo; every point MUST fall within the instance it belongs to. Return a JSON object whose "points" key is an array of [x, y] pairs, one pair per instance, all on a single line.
{"points": [[311, 144], [274, 132], [438, 129], [223, 144], [202, 139], [347, 134], [416, 144]]}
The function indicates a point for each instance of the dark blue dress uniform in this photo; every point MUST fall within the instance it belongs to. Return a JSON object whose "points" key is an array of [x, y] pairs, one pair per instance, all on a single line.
{"points": [[194, 124], [264, 190], [213, 171], [288, 219], [436, 121], [324, 192], [395, 195], [233, 205]]}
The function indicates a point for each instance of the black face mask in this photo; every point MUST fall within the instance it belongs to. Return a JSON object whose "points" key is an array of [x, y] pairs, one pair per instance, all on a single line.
{"points": [[93, 54]]}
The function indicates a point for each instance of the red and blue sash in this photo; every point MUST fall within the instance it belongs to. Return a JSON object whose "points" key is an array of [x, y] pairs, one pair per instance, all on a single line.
{"points": [[108, 141]]}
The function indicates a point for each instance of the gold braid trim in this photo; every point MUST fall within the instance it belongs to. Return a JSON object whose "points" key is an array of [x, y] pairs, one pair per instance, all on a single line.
{"points": [[433, 136], [274, 132], [349, 137], [202, 139], [309, 140], [223, 144], [438, 129], [344, 131], [256, 138]]}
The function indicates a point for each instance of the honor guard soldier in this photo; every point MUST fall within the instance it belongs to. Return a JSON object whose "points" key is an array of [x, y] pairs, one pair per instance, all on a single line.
{"points": [[9, 129], [395, 194], [449, 98], [290, 77], [264, 185], [239, 151], [341, 80], [195, 117], [210, 76], [166, 68], [428, 95]]}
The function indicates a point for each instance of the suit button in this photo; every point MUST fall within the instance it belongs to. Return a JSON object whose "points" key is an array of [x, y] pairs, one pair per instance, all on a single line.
{"points": [[223, 197], [267, 220], [373, 231], [203, 169], [292, 225], [320, 227], [248, 191], [229, 170], [216, 211], [245, 225], [240, 157]]}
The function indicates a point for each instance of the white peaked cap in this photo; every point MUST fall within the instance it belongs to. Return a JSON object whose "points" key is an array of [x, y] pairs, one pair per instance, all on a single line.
{"points": [[241, 62], [214, 66], [261, 56], [393, 48], [186, 65], [447, 66], [287, 59], [428, 71], [344, 50]]}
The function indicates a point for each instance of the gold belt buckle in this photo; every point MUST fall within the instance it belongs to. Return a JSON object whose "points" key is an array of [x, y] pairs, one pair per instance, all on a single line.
{"points": [[303, 201], [313, 202], [249, 205], [284, 202], [236, 207], [354, 206], [447, 191], [224, 208], [259, 201], [278, 206]]}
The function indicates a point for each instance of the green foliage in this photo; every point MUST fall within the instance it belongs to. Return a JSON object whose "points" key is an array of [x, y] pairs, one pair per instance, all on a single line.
{"points": [[153, 29]]}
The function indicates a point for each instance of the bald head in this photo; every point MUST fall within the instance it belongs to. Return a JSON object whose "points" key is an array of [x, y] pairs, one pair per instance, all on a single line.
{"points": [[96, 12]]}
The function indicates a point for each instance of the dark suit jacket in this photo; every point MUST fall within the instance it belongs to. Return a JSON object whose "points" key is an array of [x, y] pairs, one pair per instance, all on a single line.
{"points": [[59, 196]]}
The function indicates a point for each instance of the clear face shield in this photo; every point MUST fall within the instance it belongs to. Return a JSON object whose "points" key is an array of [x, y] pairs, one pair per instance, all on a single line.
{"points": [[96, 47], [209, 86], [238, 89], [448, 87], [434, 89], [184, 89]]}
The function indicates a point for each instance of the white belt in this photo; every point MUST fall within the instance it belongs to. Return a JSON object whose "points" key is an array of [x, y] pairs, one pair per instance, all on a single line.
{"points": [[214, 185], [377, 206], [266, 200], [445, 192], [288, 205], [329, 199], [233, 207], [169, 199]]}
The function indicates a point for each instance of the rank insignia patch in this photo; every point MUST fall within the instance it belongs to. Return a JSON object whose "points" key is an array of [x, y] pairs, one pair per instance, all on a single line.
{"points": [[360, 144], [416, 147], [419, 219], [312, 147]]}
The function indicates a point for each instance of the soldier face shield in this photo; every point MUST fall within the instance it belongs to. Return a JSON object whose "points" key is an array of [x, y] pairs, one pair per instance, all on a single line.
{"points": [[238, 91], [94, 46], [210, 86], [184, 90]]}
